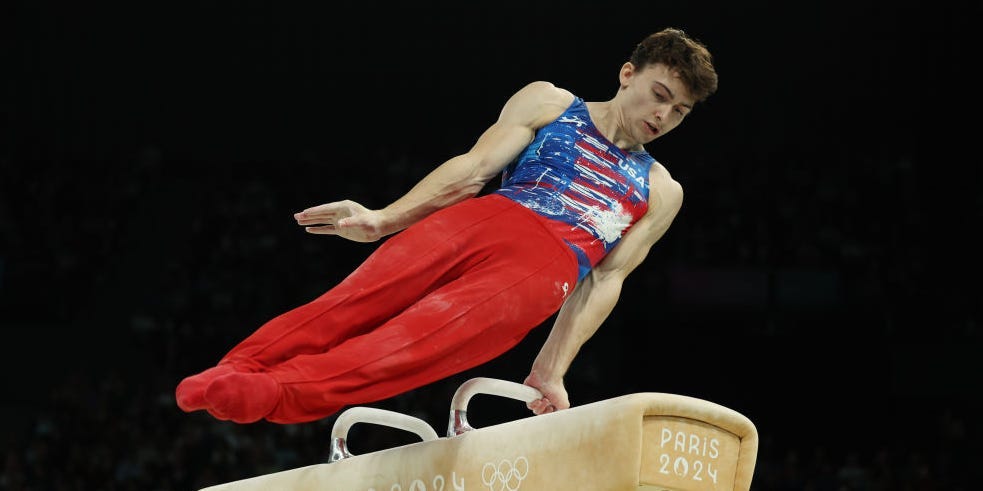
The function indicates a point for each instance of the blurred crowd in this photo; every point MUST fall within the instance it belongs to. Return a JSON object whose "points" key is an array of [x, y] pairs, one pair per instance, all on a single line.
{"points": [[160, 256]]}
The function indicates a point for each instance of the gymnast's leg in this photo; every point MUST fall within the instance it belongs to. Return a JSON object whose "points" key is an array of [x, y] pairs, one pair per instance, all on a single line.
{"points": [[401, 271], [517, 275]]}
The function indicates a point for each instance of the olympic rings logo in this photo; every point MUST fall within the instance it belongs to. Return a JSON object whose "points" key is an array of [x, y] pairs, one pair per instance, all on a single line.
{"points": [[506, 476]]}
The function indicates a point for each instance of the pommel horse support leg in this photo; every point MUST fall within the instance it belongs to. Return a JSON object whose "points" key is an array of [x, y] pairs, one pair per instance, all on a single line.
{"points": [[650, 441]]}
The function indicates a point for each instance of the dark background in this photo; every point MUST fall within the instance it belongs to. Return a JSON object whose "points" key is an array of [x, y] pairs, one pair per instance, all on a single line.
{"points": [[822, 277]]}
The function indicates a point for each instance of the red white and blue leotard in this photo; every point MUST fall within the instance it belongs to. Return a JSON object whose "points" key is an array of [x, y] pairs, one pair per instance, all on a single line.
{"points": [[590, 190]]}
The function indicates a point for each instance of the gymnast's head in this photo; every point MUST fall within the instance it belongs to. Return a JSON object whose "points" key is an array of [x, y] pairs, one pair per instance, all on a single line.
{"points": [[686, 58], [667, 74]]}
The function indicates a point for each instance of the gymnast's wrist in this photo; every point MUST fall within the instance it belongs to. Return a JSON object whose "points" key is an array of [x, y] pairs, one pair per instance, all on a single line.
{"points": [[387, 222], [545, 374]]}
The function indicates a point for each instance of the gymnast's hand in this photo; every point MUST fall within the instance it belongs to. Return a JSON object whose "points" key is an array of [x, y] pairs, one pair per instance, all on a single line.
{"points": [[346, 219], [554, 394]]}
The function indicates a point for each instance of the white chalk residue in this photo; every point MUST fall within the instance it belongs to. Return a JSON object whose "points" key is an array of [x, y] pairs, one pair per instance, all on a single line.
{"points": [[608, 225]]}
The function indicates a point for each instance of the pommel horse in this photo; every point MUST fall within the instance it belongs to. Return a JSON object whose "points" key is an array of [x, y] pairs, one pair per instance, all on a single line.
{"points": [[650, 441]]}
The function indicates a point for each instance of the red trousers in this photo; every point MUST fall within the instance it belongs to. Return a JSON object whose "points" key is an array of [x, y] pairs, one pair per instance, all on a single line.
{"points": [[453, 291]]}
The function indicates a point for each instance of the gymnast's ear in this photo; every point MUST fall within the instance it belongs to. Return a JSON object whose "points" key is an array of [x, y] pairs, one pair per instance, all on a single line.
{"points": [[625, 74]]}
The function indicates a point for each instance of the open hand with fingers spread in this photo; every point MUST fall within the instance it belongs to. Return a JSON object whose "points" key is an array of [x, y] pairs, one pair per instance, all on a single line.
{"points": [[346, 219]]}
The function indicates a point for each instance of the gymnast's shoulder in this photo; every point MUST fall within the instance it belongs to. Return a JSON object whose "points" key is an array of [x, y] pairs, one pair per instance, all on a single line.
{"points": [[542, 99]]}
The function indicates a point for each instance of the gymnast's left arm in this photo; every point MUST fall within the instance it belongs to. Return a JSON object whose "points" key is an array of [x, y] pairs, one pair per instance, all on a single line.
{"points": [[596, 295]]}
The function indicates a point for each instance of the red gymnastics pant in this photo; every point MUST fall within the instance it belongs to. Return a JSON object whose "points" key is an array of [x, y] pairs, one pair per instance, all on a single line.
{"points": [[451, 292]]}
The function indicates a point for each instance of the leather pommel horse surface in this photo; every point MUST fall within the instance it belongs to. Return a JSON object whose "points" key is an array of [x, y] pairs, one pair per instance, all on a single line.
{"points": [[651, 441]]}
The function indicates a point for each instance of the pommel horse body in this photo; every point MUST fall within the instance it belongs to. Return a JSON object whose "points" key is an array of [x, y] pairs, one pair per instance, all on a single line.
{"points": [[650, 441]]}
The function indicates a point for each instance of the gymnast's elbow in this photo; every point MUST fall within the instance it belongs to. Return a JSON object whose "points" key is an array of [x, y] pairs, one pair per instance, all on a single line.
{"points": [[474, 182], [606, 277]]}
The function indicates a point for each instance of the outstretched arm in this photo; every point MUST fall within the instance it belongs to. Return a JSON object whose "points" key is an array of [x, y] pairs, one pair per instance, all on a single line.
{"points": [[459, 178], [595, 297]]}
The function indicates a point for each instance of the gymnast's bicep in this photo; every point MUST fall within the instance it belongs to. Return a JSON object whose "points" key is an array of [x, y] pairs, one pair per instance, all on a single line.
{"points": [[665, 200], [531, 108]]}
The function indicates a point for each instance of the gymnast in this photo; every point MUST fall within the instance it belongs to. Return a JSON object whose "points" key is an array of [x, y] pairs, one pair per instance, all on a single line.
{"points": [[465, 277]]}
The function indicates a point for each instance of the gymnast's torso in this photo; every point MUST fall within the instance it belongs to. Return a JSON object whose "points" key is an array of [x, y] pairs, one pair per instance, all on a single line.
{"points": [[591, 190]]}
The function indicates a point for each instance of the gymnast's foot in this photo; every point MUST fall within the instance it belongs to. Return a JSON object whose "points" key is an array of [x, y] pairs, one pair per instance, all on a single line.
{"points": [[242, 397], [190, 393]]}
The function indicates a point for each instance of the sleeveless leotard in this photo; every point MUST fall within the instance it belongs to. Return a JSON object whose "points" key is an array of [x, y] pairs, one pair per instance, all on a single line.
{"points": [[591, 190]]}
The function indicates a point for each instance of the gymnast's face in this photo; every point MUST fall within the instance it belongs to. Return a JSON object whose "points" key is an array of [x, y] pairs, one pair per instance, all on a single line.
{"points": [[654, 101]]}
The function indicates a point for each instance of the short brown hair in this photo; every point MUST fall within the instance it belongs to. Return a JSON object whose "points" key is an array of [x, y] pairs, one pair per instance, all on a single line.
{"points": [[689, 57]]}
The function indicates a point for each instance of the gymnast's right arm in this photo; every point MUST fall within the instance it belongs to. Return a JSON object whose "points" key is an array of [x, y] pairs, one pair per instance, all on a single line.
{"points": [[459, 178]]}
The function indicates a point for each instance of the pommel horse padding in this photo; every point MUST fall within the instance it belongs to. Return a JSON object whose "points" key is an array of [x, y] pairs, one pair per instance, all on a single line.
{"points": [[650, 441]]}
